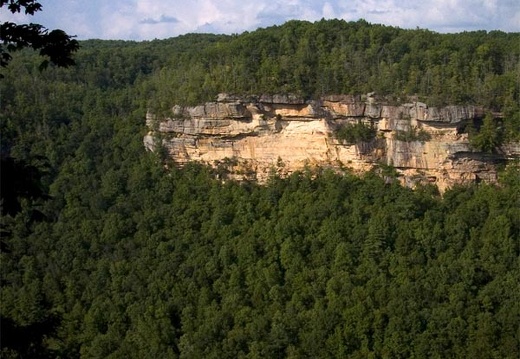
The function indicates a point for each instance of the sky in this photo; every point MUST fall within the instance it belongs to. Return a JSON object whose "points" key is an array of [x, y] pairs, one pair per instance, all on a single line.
{"points": [[159, 19]]}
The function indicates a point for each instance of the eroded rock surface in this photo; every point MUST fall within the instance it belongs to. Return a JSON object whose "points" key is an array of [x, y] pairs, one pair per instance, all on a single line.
{"points": [[252, 136]]}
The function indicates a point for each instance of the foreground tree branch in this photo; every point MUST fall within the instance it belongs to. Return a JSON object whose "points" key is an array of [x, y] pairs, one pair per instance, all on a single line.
{"points": [[55, 45]]}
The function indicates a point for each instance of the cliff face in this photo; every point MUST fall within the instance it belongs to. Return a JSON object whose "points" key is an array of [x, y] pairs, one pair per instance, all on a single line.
{"points": [[251, 137]]}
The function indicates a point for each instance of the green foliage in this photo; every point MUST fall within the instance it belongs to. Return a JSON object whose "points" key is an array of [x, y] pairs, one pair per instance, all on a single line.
{"points": [[511, 123], [128, 258], [353, 133], [334, 56], [489, 137], [56, 45], [327, 57], [412, 134]]}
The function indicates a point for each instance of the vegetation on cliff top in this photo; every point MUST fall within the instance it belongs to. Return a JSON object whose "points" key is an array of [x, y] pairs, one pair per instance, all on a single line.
{"points": [[312, 59], [112, 255]]}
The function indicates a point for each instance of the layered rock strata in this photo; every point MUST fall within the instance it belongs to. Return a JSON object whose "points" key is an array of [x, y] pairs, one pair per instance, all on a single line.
{"points": [[250, 137]]}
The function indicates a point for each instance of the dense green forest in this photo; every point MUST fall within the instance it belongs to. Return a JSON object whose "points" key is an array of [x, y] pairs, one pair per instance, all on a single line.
{"points": [[107, 253]]}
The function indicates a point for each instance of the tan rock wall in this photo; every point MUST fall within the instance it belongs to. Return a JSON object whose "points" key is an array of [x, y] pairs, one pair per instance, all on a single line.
{"points": [[261, 133]]}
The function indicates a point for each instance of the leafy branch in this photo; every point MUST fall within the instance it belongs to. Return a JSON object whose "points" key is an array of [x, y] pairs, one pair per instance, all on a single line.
{"points": [[56, 45]]}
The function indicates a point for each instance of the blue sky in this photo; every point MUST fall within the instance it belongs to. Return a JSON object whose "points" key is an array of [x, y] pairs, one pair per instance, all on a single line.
{"points": [[151, 19]]}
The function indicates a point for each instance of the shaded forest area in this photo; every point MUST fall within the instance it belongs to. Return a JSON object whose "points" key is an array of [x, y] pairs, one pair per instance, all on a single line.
{"points": [[106, 253]]}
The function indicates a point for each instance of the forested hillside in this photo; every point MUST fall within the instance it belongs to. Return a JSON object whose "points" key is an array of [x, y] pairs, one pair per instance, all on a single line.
{"points": [[107, 253]]}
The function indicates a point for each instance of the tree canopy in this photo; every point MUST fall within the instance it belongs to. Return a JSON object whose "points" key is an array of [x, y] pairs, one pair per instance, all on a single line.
{"points": [[114, 254]]}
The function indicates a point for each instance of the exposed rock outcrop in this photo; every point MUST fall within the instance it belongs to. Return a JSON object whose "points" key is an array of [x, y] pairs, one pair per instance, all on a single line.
{"points": [[252, 136]]}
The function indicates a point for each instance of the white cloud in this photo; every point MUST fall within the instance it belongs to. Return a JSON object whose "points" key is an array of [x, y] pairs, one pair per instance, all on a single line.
{"points": [[328, 11], [149, 19]]}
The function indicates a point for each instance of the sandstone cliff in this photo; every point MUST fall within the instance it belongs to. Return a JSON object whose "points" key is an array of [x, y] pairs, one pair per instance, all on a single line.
{"points": [[251, 137]]}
